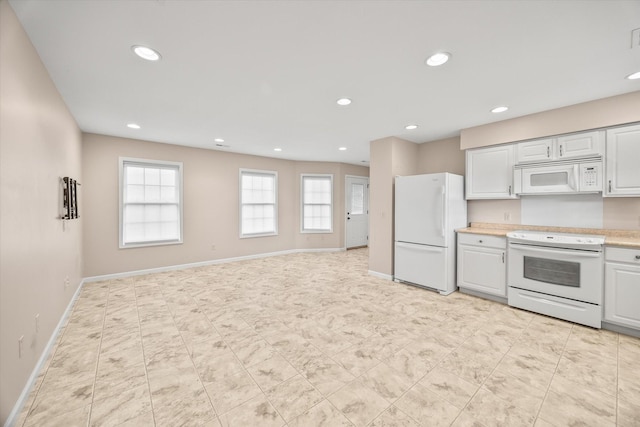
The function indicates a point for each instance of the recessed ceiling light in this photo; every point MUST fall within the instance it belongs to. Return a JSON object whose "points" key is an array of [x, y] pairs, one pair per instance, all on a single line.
{"points": [[218, 140], [133, 125], [277, 149], [342, 148], [634, 76], [500, 109], [343, 101], [438, 58], [411, 127], [146, 53]]}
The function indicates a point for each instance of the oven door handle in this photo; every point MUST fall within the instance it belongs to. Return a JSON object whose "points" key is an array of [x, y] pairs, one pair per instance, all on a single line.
{"points": [[577, 253]]}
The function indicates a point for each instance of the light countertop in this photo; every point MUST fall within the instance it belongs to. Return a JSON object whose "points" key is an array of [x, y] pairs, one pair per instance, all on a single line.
{"points": [[622, 238]]}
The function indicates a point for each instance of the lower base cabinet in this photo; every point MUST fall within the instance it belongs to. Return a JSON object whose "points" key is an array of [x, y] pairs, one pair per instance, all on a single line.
{"points": [[482, 264], [622, 287]]}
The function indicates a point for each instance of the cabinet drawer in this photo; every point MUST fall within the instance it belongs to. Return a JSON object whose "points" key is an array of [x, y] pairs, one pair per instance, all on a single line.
{"points": [[623, 255], [482, 240]]}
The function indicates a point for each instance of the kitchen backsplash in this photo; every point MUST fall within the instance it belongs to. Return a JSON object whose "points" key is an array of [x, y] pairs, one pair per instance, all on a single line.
{"points": [[620, 213], [576, 210]]}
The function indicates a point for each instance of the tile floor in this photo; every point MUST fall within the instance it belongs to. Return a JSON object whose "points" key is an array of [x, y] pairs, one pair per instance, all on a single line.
{"points": [[313, 340]]}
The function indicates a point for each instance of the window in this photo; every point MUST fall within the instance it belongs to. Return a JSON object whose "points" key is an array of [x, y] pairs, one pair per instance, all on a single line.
{"points": [[258, 203], [317, 203], [150, 202], [357, 199]]}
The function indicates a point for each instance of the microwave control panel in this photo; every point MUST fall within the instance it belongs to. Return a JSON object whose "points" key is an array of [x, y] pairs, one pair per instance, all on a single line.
{"points": [[591, 177]]}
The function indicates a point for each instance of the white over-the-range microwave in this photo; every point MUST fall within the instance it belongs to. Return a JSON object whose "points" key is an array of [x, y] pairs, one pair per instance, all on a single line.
{"points": [[582, 176]]}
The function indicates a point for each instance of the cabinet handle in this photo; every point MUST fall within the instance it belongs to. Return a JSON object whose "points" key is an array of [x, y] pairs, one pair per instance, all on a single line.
{"points": [[503, 257], [560, 150], [509, 190], [480, 241], [548, 153], [609, 186], [638, 257]]}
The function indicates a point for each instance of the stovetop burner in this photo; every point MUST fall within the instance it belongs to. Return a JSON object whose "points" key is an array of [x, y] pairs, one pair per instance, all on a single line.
{"points": [[557, 240]]}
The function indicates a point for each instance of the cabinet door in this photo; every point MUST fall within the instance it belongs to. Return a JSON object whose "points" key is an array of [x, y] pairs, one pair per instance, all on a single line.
{"points": [[482, 269], [585, 144], [534, 151], [489, 173], [621, 294], [623, 160]]}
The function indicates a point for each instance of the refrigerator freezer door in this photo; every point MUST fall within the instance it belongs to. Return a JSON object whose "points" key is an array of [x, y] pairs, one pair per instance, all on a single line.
{"points": [[420, 209], [421, 265]]}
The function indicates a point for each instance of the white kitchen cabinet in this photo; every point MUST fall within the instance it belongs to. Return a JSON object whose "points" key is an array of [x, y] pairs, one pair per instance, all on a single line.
{"points": [[565, 147], [623, 162], [537, 150], [584, 144], [482, 264], [489, 172], [622, 287]]}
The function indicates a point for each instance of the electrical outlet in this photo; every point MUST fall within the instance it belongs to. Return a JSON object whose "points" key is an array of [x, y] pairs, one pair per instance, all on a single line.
{"points": [[213, 247], [20, 346], [66, 282], [37, 323], [507, 216]]}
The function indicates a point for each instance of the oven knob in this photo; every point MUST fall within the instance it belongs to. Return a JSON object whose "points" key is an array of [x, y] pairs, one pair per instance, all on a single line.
{"points": [[589, 240], [579, 240]]}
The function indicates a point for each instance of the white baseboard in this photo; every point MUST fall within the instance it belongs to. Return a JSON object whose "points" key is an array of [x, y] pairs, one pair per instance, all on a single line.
{"points": [[24, 396], [380, 275], [203, 264]]}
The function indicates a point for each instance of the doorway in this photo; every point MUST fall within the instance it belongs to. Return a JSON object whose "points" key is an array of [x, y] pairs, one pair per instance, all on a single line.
{"points": [[357, 211]]}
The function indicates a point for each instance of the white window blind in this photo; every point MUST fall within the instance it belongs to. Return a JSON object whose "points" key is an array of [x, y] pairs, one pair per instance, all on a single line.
{"points": [[317, 201], [258, 203], [357, 199], [151, 202]]}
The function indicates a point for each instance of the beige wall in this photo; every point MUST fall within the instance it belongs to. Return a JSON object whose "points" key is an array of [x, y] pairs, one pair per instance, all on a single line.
{"points": [[388, 157], [621, 213], [210, 205], [441, 156], [604, 112], [39, 143]]}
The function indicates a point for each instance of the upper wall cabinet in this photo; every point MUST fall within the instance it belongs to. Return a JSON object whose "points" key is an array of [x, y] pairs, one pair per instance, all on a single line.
{"points": [[578, 145], [489, 173], [537, 150], [623, 162]]}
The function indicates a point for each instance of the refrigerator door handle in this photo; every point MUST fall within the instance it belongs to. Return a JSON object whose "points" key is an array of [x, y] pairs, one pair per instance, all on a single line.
{"points": [[442, 213]]}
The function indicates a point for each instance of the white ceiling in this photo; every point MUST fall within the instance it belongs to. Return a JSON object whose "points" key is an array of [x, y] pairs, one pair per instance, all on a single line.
{"points": [[266, 74]]}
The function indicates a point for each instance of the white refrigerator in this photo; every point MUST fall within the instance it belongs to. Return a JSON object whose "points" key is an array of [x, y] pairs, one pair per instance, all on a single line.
{"points": [[428, 210]]}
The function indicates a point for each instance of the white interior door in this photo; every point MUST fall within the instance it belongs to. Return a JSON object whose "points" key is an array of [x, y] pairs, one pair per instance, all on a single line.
{"points": [[357, 211]]}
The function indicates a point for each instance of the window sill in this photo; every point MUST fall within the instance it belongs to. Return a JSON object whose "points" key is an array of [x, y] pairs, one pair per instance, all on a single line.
{"points": [[250, 236], [149, 244]]}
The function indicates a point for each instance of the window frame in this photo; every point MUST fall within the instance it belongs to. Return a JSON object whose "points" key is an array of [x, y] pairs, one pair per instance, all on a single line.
{"points": [[149, 163], [274, 174], [303, 204]]}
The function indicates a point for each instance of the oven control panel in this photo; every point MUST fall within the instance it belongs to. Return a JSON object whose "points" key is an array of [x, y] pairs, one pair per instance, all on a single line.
{"points": [[591, 176], [558, 240]]}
